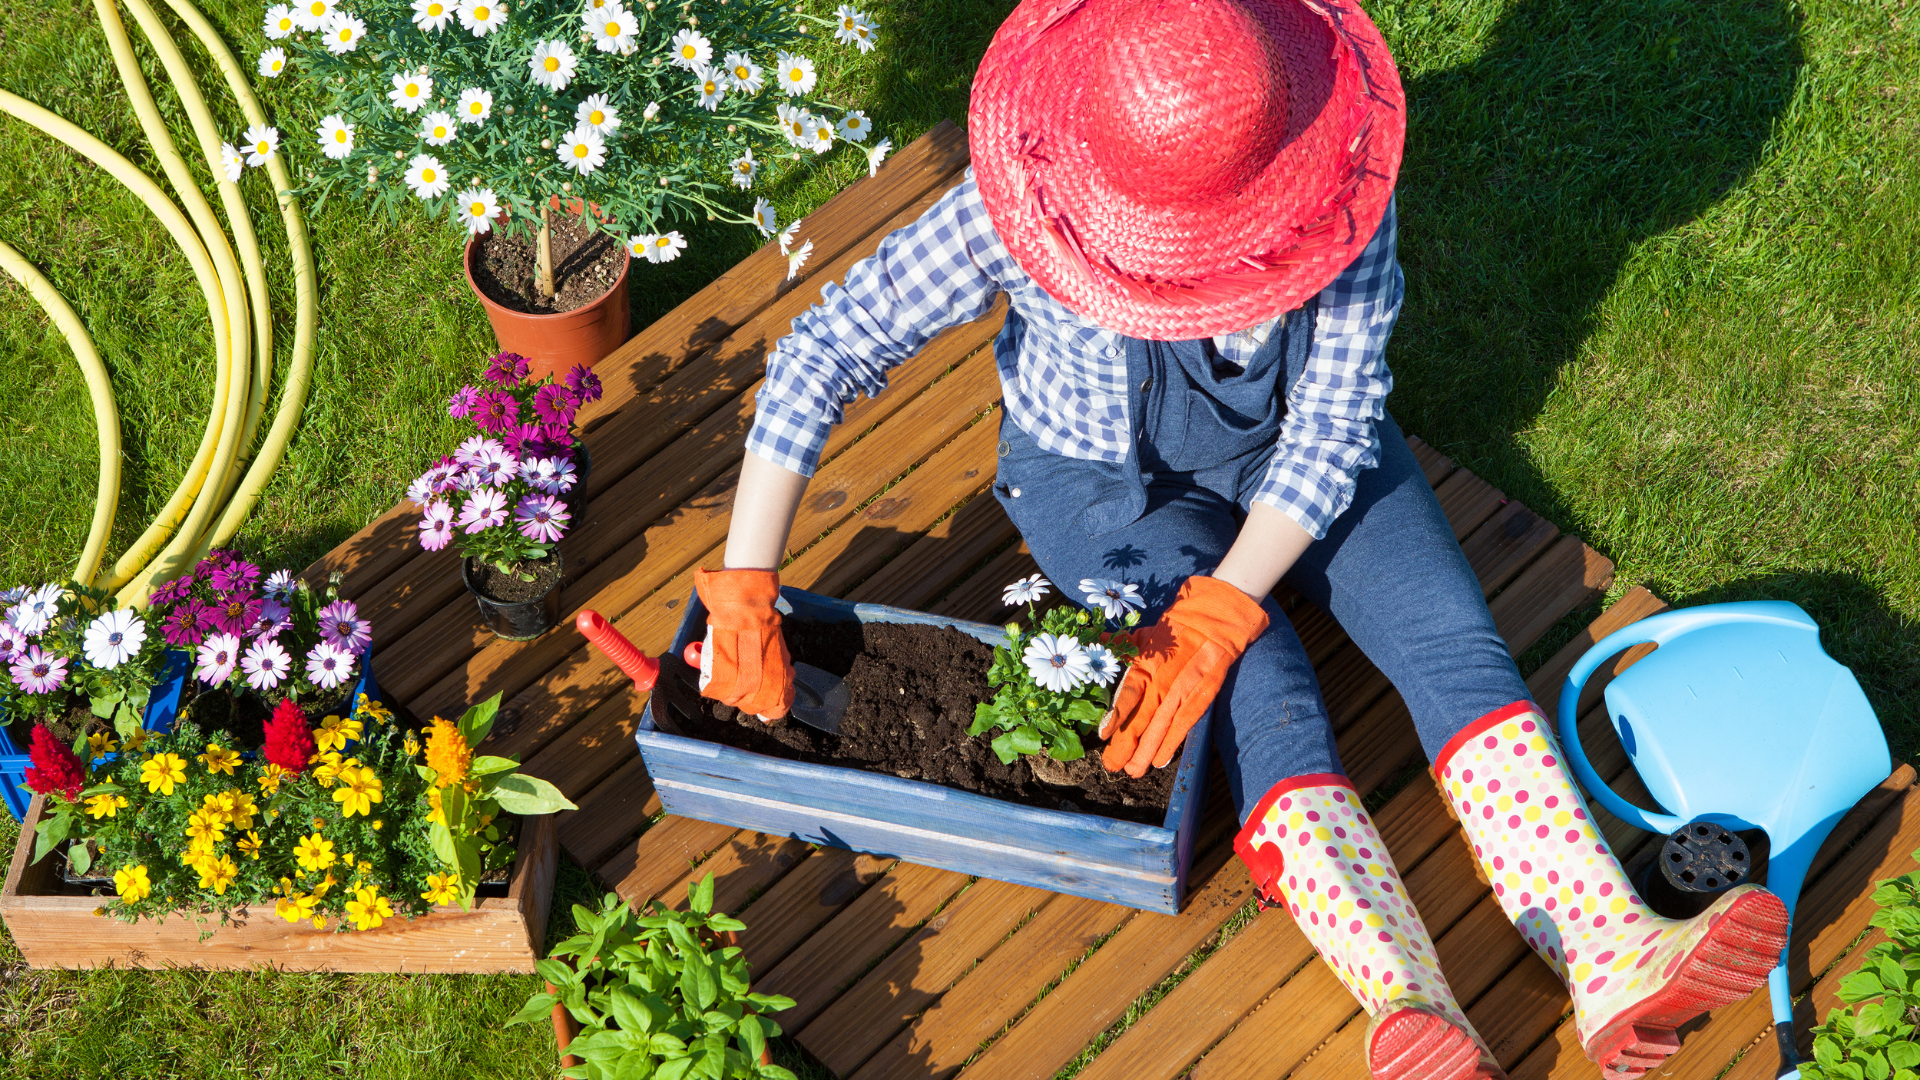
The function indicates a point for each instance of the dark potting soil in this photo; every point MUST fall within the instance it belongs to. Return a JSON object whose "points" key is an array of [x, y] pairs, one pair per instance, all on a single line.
{"points": [[586, 263], [912, 690], [514, 588], [241, 717]]}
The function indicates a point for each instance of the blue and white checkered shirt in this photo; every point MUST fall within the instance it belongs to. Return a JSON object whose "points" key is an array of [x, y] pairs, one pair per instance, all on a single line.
{"points": [[1067, 385]]}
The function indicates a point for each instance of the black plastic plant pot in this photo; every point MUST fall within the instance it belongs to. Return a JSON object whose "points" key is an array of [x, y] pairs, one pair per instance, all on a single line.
{"points": [[516, 620], [576, 498]]}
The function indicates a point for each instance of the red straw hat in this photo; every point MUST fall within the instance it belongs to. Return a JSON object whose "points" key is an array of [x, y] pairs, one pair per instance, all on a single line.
{"points": [[1182, 168]]}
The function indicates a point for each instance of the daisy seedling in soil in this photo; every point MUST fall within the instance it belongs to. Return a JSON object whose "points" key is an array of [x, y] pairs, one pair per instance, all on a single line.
{"points": [[485, 111], [1056, 680]]}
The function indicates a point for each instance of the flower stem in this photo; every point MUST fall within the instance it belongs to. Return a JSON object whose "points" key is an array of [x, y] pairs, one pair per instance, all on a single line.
{"points": [[544, 258]]}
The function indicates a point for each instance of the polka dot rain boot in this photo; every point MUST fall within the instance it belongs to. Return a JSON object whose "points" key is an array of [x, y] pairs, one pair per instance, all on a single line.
{"points": [[1311, 847], [1634, 976]]}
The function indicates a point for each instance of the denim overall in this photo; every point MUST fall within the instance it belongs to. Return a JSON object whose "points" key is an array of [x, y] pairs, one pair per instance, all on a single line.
{"points": [[1389, 569]]}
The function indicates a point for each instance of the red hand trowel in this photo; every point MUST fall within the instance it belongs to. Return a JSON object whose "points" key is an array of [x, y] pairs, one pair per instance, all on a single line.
{"points": [[819, 699]]}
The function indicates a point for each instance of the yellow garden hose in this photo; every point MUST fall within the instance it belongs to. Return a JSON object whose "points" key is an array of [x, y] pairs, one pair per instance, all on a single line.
{"points": [[106, 417]]}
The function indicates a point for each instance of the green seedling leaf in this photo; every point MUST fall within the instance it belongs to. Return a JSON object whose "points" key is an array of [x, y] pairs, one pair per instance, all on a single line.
{"points": [[700, 896], [539, 1007], [477, 722], [487, 765], [527, 795]]}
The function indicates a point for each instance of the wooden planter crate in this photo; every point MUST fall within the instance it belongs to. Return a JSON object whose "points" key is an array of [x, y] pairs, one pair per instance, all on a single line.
{"points": [[1102, 858], [55, 927]]}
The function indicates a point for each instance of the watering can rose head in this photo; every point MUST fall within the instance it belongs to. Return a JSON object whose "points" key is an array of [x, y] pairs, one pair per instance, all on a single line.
{"points": [[1055, 683]]}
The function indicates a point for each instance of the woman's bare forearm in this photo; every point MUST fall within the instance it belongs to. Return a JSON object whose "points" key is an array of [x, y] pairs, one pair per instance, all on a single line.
{"points": [[1268, 544], [763, 511]]}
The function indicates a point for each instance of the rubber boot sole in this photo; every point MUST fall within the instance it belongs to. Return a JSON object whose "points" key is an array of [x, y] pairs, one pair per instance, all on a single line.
{"points": [[1730, 961], [1415, 1044]]}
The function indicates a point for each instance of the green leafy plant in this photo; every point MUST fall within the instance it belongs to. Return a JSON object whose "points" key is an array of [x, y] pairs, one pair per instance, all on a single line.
{"points": [[654, 997], [1056, 682], [1871, 1037]]}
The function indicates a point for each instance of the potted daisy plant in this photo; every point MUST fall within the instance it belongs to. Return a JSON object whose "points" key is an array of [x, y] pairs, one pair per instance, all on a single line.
{"points": [[564, 137]]}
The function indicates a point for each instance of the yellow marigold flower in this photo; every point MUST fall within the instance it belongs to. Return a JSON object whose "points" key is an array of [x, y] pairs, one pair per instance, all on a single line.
{"points": [[210, 805], [368, 909], [101, 742], [161, 771], [132, 883], [295, 908], [442, 888], [219, 759], [195, 857], [318, 824], [448, 754], [359, 790], [105, 806], [205, 828], [335, 733], [327, 768], [217, 874], [314, 853], [319, 922], [249, 845], [271, 778]]}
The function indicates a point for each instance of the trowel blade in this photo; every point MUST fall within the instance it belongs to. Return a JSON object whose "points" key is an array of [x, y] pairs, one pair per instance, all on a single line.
{"points": [[819, 699]]}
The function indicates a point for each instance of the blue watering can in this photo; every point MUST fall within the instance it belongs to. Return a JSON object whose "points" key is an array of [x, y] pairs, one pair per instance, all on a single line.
{"points": [[1738, 721]]}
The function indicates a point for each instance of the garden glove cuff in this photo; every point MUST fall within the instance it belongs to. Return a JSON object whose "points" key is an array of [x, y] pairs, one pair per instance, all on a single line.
{"points": [[1183, 659], [744, 662]]}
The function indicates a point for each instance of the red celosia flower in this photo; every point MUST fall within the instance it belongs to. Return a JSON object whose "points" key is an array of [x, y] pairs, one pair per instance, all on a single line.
{"points": [[289, 740], [55, 769]]}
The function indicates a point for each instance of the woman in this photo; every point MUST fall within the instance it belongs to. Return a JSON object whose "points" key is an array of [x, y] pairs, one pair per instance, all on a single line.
{"points": [[1189, 205]]}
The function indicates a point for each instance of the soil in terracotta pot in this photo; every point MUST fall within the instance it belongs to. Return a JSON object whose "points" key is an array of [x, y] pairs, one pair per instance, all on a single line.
{"points": [[586, 263], [912, 690], [514, 588]]}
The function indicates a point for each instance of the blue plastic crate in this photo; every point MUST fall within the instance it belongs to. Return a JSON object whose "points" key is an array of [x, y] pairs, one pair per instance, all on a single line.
{"points": [[1141, 866]]}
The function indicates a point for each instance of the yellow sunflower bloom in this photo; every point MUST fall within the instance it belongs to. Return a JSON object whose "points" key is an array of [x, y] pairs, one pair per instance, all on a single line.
{"points": [[105, 806], [249, 845], [162, 771], [218, 759], [314, 853], [217, 874], [206, 828], [359, 790], [448, 754], [442, 888], [101, 742], [368, 909], [335, 733], [132, 883]]}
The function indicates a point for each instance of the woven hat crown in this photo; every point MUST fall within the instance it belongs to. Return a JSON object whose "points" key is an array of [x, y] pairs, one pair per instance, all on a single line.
{"points": [[1187, 99]]}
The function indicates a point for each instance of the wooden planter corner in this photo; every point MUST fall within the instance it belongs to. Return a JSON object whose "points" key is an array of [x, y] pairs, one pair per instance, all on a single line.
{"points": [[55, 928]]}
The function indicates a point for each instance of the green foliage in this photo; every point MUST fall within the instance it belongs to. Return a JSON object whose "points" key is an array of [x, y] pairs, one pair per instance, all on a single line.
{"points": [[655, 998], [1032, 719], [1872, 1036]]}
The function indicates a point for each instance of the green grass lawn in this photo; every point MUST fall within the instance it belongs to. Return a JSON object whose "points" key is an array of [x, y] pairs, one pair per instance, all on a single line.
{"points": [[1661, 262]]}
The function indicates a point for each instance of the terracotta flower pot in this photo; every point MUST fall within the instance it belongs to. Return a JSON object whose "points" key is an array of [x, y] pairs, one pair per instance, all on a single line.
{"points": [[556, 343]]}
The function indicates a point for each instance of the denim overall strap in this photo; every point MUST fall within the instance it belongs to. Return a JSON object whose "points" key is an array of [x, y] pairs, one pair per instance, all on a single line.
{"points": [[1197, 412]]}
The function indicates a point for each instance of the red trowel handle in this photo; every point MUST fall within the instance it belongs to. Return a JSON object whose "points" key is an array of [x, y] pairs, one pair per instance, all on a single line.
{"points": [[643, 670]]}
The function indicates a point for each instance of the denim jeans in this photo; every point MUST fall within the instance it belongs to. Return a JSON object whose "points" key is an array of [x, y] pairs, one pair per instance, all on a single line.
{"points": [[1389, 571]]}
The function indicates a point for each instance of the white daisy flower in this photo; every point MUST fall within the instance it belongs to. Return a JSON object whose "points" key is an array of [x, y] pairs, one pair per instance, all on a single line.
{"points": [[713, 87], [794, 124], [652, 110], [582, 150], [786, 235], [1102, 665], [797, 258], [272, 62], [336, 136], [114, 638], [552, 65], [410, 92], [876, 154], [481, 17], [795, 73], [311, 14], [666, 247], [343, 33], [819, 134], [477, 207], [596, 5], [426, 177], [854, 126], [1056, 661], [35, 610], [231, 163], [1025, 591], [638, 244], [279, 22], [431, 15], [438, 129], [218, 656], [1113, 598], [861, 34], [743, 74], [262, 142], [474, 106], [848, 22], [764, 217], [597, 114], [744, 169], [612, 28], [691, 49]]}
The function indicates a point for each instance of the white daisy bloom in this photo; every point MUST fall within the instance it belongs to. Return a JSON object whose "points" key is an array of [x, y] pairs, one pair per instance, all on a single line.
{"points": [[1025, 591], [35, 610], [876, 154], [311, 14], [764, 217], [612, 28], [1102, 665], [474, 106], [231, 163], [596, 5], [797, 258], [819, 134], [582, 150], [410, 92], [713, 87], [1056, 661], [272, 62], [847, 22], [861, 34], [1113, 598], [279, 22], [795, 73], [744, 169], [481, 17], [652, 110], [262, 142], [336, 136], [427, 178], [786, 235], [638, 245], [794, 124], [552, 65], [343, 33], [114, 638], [854, 126], [691, 49], [597, 114], [477, 207], [666, 247], [743, 74], [438, 129], [431, 16]]}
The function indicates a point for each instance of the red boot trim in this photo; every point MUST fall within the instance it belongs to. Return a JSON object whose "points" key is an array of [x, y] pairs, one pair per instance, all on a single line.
{"points": [[1478, 727], [1265, 863], [1415, 1044]]}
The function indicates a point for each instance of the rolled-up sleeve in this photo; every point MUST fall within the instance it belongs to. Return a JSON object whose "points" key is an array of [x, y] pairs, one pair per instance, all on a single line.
{"points": [[1329, 435]]}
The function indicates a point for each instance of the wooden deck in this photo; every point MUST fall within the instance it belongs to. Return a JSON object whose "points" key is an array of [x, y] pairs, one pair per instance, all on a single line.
{"points": [[904, 971]]}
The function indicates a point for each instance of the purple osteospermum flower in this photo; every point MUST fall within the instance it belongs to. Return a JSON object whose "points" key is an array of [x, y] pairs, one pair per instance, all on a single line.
{"points": [[461, 403], [213, 561], [556, 404], [186, 624], [507, 368], [12, 643], [541, 517], [485, 508], [443, 475], [235, 612], [328, 665], [436, 526], [496, 411], [38, 671], [266, 663], [279, 586], [495, 468], [522, 438], [469, 451], [551, 475], [272, 620], [172, 591], [236, 576], [217, 658], [420, 490], [340, 623], [584, 383]]}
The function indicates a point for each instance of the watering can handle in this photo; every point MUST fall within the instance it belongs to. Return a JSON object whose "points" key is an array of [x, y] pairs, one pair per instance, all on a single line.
{"points": [[1656, 630]]}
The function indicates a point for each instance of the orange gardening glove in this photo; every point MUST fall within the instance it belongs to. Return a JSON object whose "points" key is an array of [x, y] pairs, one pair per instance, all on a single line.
{"points": [[1183, 660], [744, 654]]}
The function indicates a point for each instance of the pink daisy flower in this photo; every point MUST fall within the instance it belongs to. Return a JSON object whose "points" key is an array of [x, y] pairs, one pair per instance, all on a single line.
{"points": [[460, 405], [555, 404], [542, 517], [507, 368], [272, 620], [340, 623], [234, 577], [551, 475], [217, 657], [584, 383], [436, 525], [496, 410], [469, 451], [37, 671], [328, 665], [235, 613], [495, 467], [266, 664], [485, 508], [12, 643]]}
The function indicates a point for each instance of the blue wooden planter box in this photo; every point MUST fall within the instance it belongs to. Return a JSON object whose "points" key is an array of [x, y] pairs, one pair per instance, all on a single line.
{"points": [[1141, 866]]}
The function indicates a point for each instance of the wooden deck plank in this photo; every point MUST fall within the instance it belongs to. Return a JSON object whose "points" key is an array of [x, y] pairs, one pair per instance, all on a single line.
{"points": [[743, 868], [1467, 501], [608, 814], [1569, 574], [1435, 464], [942, 556], [978, 597], [1506, 542], [639, 871], [804, 900]]}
